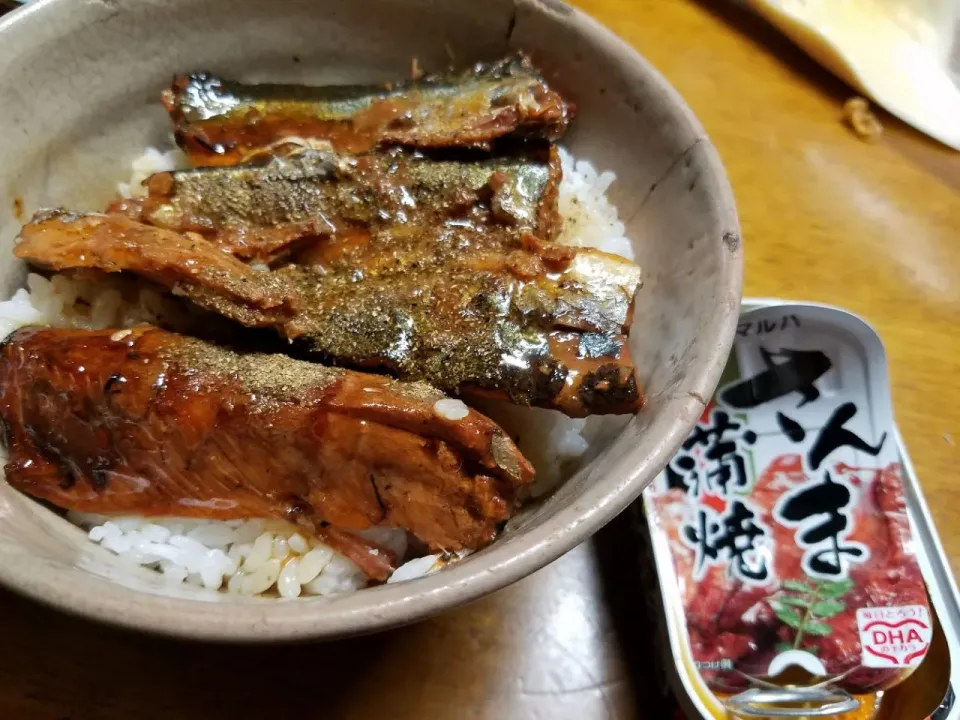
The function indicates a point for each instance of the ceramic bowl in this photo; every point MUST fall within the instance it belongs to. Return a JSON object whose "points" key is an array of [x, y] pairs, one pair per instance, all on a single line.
{"points": [[79, 99]]}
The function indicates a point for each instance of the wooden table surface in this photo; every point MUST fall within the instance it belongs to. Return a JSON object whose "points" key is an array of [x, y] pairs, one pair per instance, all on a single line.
{"points": [[826, 217]]}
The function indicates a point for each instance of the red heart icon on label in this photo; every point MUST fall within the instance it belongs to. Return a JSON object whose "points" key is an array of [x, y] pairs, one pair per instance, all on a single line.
{"points": [[894, 637]]}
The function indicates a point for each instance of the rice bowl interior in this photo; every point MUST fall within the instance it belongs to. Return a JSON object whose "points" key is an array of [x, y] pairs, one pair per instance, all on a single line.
{"points": [[255, 556], [670, 190]]}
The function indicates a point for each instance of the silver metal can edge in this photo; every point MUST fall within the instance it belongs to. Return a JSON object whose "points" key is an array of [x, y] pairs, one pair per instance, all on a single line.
{"points": [[692, 693]]}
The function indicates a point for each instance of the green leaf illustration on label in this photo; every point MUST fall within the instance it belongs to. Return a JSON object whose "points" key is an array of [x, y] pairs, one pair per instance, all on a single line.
{"points": [[817, 628], [796, 586], [805, 606], [788, 616], [834, 589], [828, 608]]}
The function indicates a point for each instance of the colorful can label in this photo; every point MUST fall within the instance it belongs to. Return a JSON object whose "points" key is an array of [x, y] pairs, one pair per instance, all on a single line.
{"points": [[780, 528]]}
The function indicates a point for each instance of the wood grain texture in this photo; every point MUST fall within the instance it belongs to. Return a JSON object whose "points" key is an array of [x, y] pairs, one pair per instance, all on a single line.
{"points": [[872, 227], [826, 217]]}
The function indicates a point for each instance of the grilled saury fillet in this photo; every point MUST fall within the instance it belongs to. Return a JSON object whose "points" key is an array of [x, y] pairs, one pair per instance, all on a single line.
{"points": [[148, 422], [266, 212], [486, 323], [221, 122]]}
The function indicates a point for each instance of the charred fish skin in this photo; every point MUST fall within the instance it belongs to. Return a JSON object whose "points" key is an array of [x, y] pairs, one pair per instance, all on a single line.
{"points": [[219, 121], [488, 323], [148, 422], [264, 212]]}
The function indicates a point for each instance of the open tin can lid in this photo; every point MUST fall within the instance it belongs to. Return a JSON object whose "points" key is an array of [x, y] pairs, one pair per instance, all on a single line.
{"points": [[780, 532]]}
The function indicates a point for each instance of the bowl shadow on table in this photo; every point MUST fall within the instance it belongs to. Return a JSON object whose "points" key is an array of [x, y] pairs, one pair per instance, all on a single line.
{"points": [[631, 592], [486, 658], [56, 666]]}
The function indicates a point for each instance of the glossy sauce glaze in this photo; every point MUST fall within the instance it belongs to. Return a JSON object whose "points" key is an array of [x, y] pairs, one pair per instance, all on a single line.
{"points": [[429, 308], [222, 122], [152, 423], [297, 204], [404, 229]]}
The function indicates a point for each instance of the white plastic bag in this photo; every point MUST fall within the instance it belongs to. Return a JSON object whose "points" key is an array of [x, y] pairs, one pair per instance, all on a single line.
{"points": [[897, 52]]}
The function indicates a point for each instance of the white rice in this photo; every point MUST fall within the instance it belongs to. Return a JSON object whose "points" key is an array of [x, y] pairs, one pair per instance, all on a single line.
{"points": [[246, 557], [253, 557], [589, 218], [69, 303], [151, 161]]}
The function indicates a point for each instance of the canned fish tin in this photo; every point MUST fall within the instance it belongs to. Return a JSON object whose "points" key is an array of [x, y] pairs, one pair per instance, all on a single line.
{"points": [[928, 694], [780, 531]]}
